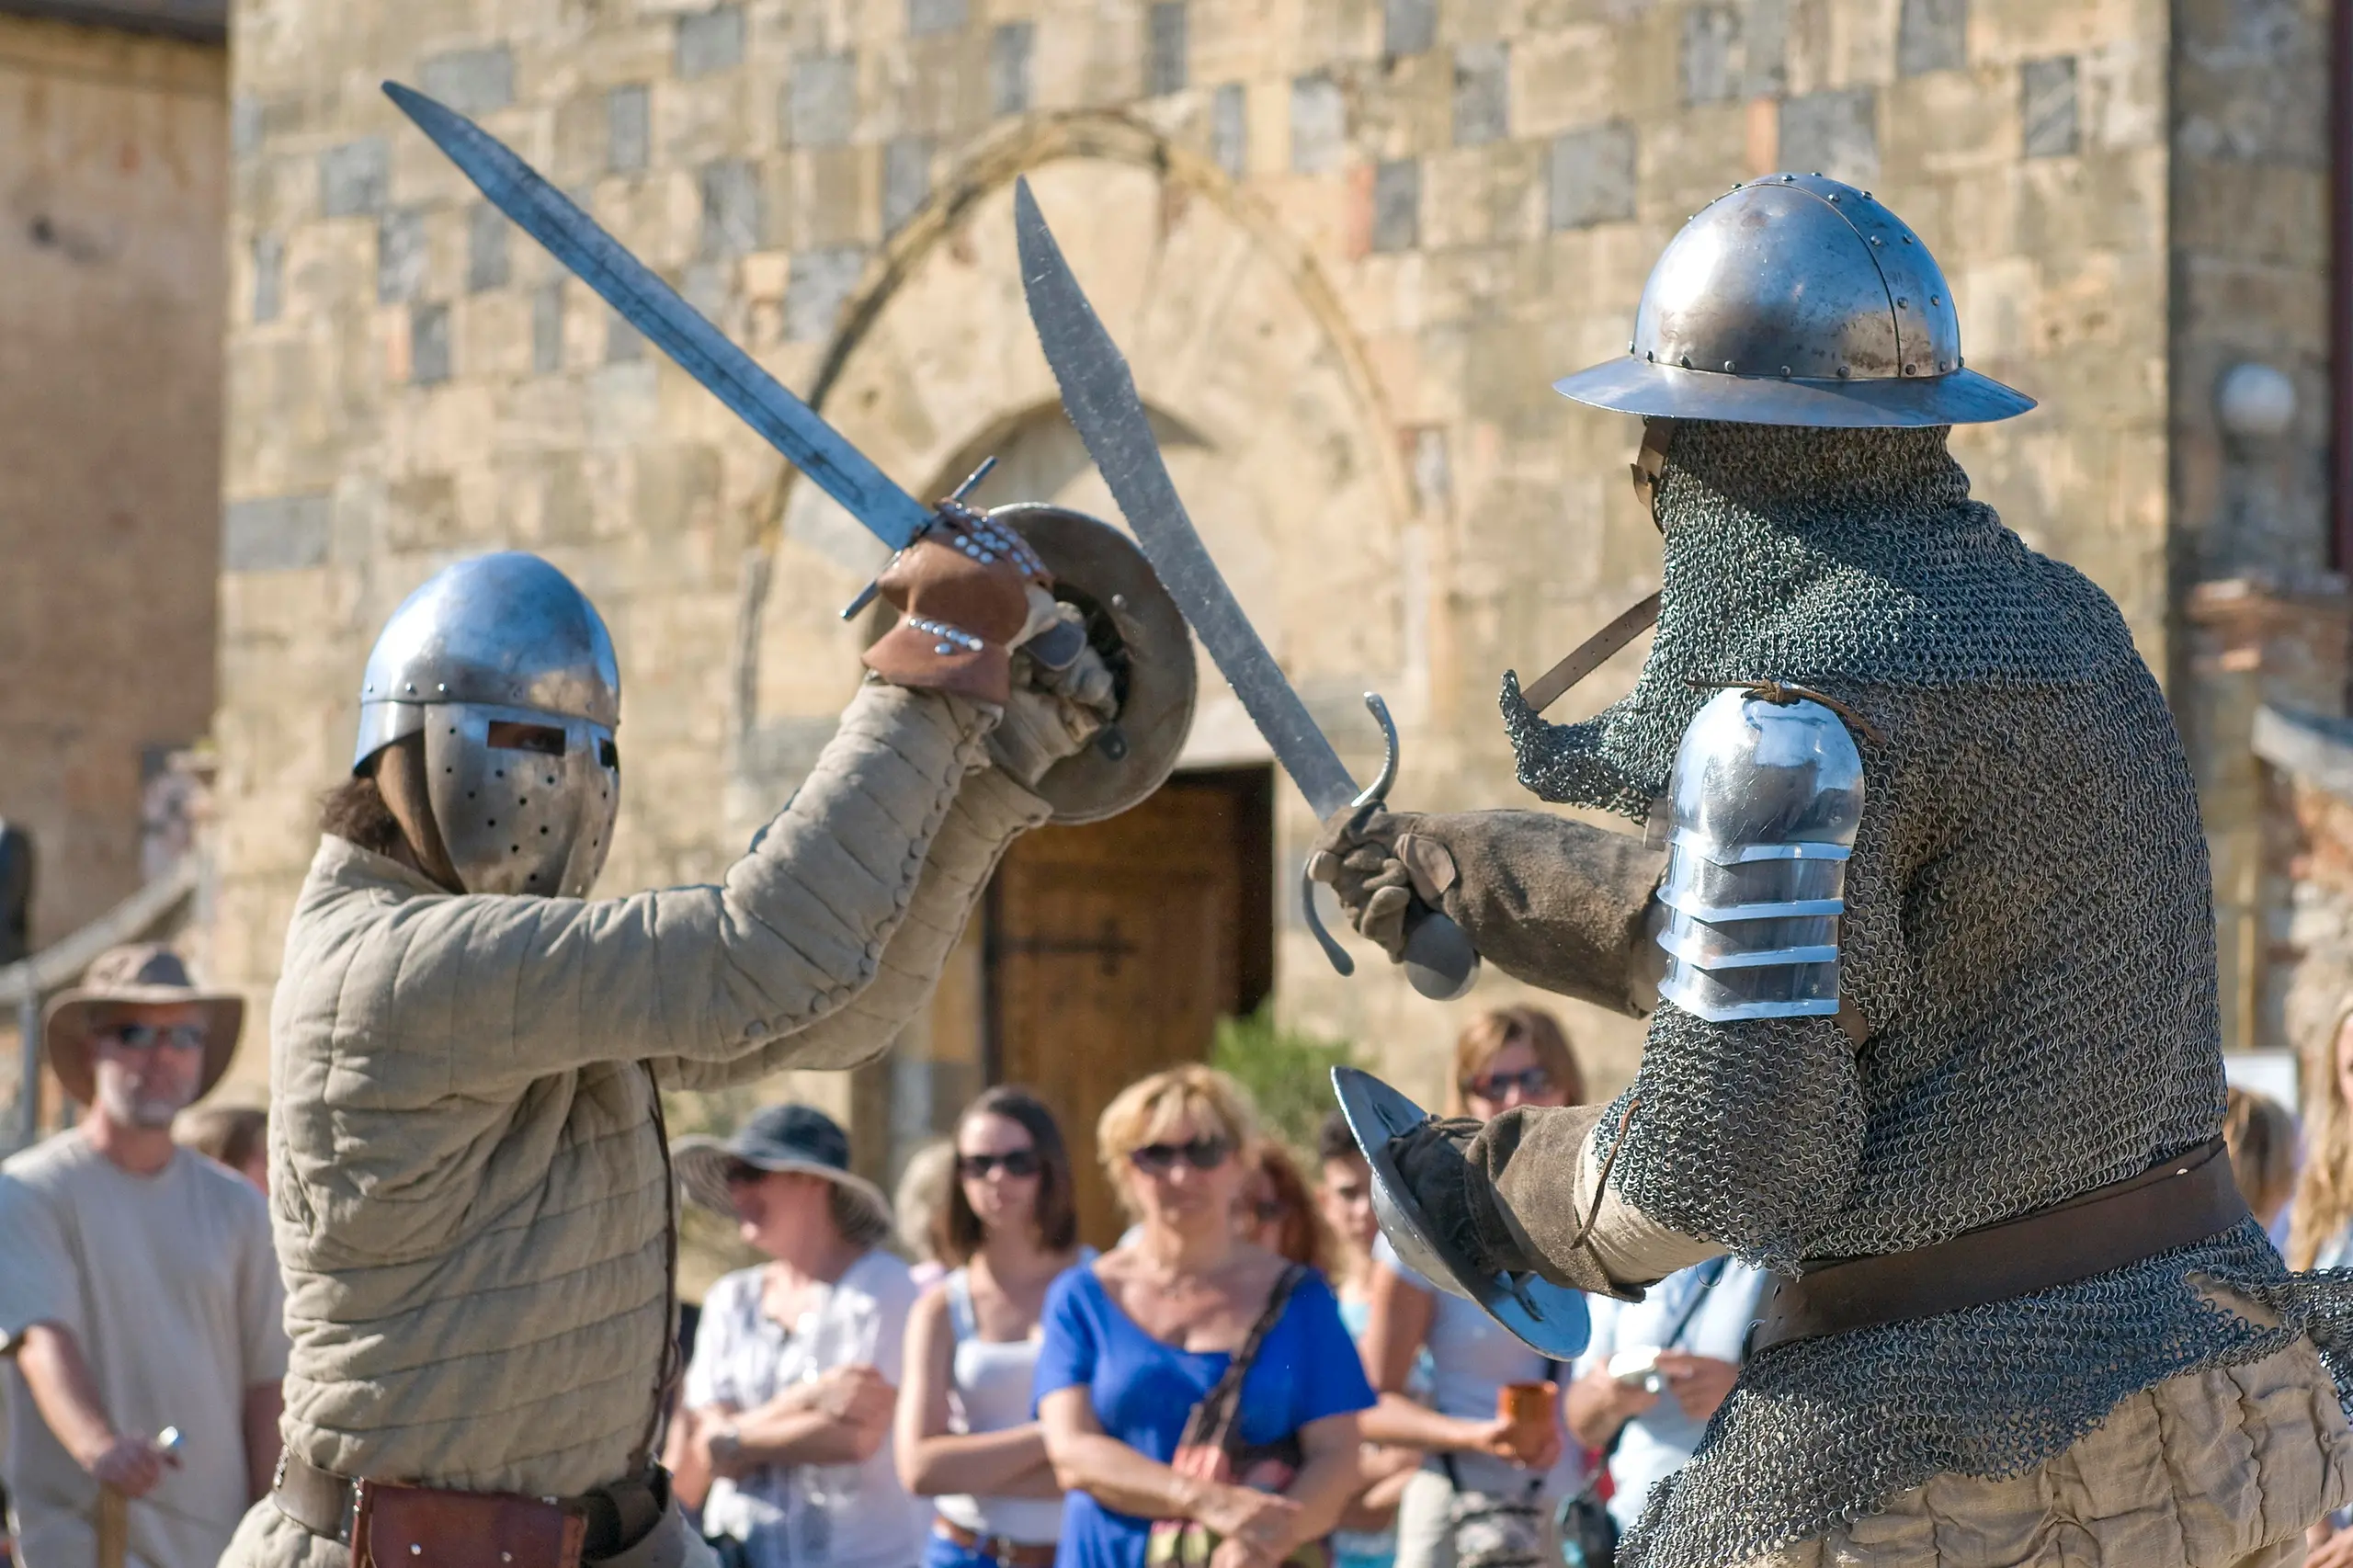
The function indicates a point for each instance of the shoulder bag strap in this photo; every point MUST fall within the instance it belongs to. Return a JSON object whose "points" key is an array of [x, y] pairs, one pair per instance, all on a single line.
{"points": [[1215, 1417], [1714, 1268], [1712, 1271]]}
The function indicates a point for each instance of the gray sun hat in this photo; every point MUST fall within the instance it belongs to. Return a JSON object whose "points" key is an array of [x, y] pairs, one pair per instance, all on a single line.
{"points": [[779, 1137], [141, 974]]}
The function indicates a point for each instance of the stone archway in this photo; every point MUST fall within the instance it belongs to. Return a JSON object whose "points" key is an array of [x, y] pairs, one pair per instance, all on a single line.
{"points": [[1271, 430], [1270, 426]]}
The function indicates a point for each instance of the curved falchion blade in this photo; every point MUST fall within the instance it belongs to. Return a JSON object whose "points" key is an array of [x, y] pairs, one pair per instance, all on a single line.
{"points": [[668, 322], [1100, 394]]}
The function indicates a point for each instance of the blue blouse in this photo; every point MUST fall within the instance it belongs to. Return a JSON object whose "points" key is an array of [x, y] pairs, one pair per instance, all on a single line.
{"points": [[1144, 1390]]}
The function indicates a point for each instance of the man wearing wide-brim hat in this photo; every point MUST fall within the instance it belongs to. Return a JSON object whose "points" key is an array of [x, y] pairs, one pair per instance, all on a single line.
{"points": [[140, 1295]]}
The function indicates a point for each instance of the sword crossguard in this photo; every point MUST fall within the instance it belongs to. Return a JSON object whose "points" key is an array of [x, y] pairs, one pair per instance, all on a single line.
{"points": [[985, 539], [1440, 959]]}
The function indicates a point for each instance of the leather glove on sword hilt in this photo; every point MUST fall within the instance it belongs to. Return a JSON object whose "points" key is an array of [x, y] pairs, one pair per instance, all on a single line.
{"points": [[1383, 873], [962, 591], [1558, 903]]}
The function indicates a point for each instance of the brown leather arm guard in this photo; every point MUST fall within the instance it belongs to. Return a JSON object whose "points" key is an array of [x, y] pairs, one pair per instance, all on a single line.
{"points": [[962, 591], [1551, 901]]}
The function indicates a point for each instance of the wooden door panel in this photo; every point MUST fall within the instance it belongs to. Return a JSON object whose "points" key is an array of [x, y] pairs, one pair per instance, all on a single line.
{"points": [[1114, 948]]}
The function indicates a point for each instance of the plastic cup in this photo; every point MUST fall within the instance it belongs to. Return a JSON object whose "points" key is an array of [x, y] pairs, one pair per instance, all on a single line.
{"points": [[1531, 1408]]}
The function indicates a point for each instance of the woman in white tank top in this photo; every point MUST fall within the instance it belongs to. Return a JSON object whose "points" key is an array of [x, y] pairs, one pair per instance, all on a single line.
{"points": [[965, 1436]]}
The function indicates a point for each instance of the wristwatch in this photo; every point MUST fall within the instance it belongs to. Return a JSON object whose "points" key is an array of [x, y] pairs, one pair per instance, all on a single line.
{"points": [[725, 1444]]}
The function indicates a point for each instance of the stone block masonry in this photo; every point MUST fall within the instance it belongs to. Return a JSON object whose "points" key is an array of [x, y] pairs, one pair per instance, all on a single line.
{"points": [[1349, 244]]}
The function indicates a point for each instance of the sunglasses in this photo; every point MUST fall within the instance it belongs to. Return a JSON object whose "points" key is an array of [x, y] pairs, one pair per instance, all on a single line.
{"points": [[741, 1174], [1495, 1086], [1017, 1163], [147, 1037], [1202, 1153]]}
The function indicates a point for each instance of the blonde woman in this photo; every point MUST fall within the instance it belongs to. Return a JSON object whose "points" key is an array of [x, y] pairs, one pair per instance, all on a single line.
{"points": [[1137, 1340]]}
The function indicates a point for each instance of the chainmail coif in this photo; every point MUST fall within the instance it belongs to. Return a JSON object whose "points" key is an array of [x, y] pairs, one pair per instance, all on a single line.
{"points": [[2029, 937]]}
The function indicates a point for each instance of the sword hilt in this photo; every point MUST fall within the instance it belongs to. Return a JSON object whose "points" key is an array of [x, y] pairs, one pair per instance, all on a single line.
{"points": [[1439, 960], [955, 501]]}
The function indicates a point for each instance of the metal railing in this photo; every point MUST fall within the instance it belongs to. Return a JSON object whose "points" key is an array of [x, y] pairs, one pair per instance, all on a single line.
{"points": [[28, 983]]}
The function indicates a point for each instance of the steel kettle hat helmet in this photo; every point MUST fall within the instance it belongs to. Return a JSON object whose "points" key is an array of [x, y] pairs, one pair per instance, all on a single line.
{"points": [[507, 671], [1797, 300]]}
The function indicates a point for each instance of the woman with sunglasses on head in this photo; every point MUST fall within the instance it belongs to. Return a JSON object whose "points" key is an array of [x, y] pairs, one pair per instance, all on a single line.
{"points": [[966, 1435], [1191, 1315], [1482, 1473]]}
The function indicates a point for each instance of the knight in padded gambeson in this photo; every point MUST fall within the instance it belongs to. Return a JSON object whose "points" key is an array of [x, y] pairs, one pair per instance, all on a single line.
{"points": [[1921, 916]]}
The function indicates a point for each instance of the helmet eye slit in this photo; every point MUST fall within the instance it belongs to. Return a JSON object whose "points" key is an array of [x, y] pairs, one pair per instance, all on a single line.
{"points": [[507, 735]]}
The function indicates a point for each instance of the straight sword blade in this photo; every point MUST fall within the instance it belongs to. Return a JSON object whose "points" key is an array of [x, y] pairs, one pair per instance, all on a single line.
{"points": [[1100, 397], [676, 328]]}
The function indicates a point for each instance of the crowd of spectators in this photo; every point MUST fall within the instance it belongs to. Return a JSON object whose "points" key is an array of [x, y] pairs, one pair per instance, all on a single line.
{"points": [[1251, 1378]]}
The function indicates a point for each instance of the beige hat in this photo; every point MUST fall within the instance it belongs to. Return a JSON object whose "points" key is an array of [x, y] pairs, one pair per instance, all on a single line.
{"points": [[143, 973]]}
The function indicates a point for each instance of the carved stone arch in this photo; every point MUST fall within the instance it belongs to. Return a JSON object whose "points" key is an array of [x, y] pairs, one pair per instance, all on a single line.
{"points": [[1273, 425]]}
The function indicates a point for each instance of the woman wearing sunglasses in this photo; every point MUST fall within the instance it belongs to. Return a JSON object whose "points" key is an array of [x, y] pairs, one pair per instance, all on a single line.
{"points": [[784, 1440], [966, 1435], [1147, 1334], [1479, 1477]]}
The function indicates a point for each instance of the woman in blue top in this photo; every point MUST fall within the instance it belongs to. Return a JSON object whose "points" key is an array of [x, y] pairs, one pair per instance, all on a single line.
{"points": [[1134, 1341]]}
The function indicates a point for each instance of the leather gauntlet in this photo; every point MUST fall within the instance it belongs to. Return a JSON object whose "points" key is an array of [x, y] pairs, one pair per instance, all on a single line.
{"points": [[962, 592], [1546, 900]]}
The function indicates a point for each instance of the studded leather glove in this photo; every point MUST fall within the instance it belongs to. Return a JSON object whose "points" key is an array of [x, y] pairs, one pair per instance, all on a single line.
{"points": [[962, 592], [1552, 901]]}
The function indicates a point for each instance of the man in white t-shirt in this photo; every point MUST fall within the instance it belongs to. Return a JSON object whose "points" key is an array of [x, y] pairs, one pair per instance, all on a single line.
{"points": [[140, 1295], [1656, 1370]]}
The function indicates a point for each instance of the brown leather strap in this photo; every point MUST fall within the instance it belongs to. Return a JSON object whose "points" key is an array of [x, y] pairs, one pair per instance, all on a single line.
{"points": [[319, 1500], [1592, 653], [995, 1547], [326, 1504], [2173, 1203]]}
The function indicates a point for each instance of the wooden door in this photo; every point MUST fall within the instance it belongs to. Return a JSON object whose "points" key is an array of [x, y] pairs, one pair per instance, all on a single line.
{"points": [[1113, 950]]}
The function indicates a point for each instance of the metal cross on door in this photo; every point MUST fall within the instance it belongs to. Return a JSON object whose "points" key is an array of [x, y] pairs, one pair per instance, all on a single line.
{"points": [[1109, 946], [1113, 950]]}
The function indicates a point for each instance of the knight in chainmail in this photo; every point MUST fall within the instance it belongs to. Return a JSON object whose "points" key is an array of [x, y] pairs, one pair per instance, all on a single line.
{"points": [[1998, 1334]]}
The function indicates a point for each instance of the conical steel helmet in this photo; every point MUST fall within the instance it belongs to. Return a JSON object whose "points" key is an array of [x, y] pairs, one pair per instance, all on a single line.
{"points": [[1797, 300]]}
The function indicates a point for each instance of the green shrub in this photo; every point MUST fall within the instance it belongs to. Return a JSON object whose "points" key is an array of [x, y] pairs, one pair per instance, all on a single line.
{"points": [[1287, 1071]]}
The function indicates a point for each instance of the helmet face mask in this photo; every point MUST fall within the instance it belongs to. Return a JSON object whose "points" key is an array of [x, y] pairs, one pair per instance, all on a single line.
{"points": [[524, 801], [1797, 300], [506, 671]]}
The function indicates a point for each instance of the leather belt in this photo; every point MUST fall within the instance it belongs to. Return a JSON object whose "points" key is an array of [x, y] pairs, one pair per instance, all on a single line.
{"points": [[614, 1516], [995, 1547], [2173, 1203]]}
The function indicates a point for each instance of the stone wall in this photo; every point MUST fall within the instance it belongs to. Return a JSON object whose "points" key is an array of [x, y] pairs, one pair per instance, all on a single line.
{"points": [[113, 169], [1346, 243], [2250, 216]]}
